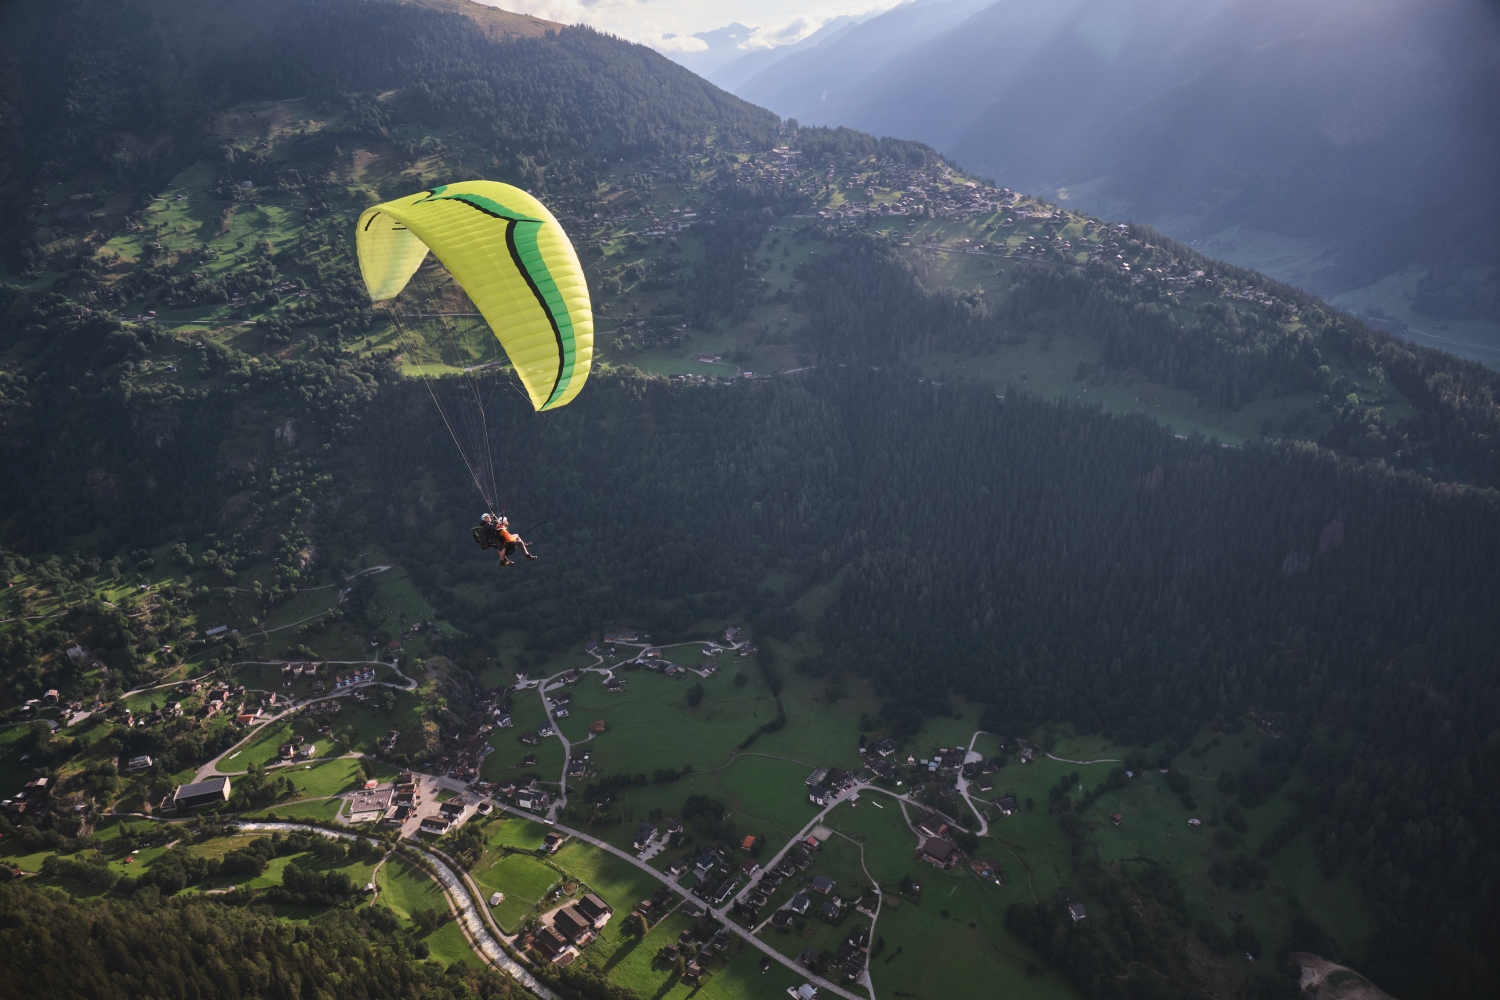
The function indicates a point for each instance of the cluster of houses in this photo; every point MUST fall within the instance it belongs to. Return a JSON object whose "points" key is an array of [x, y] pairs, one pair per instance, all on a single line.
{"points": [[448, 816], [297, 749], [568, 930], [718, 878], [853, 952], [794, 861], [406, 798], [27, 798], [825, 787], [697, 945], [525, 793], [361, 676]]}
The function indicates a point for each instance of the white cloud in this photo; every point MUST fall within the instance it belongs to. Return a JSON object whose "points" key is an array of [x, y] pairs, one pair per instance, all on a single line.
{"points": [[681, 43], [650, 22]]}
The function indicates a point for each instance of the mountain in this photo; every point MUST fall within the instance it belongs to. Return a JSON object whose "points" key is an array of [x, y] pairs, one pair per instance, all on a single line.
{"points": [[747, 64], [896, 463], [812, 85], [1346, 147]]}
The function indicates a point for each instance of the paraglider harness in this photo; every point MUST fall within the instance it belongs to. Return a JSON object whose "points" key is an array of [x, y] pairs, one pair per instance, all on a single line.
{"points": [[492, 533], [486, 535]]}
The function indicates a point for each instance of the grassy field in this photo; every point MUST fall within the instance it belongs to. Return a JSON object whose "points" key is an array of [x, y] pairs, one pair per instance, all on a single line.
{"points": [[329, 777], [618, 883], [523, 878], [948, 939], [405, 889], [326, 810]]}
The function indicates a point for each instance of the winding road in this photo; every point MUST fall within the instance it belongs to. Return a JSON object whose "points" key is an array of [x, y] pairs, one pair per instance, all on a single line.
{"points": [[458, 895]]}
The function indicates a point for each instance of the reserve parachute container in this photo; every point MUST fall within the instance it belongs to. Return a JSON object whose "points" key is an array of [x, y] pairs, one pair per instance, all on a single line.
{"points": [[512, 258]]}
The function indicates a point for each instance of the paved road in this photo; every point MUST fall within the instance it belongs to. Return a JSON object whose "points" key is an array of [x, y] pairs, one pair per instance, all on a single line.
{"points": [[963, 788], [211, 769], [719, 914], [458, 895]]}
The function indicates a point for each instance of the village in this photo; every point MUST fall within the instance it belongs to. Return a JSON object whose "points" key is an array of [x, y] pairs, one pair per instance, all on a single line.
{"points": [[737, 893]]}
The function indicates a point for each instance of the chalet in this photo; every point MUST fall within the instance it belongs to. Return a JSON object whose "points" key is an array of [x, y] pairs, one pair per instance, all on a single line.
{"points": [[593, 909], [939, 852], [750, 867], [437, 825], [810, 957], [985, 783], [1117, 819], [597, 726], [140, 763], [643, 836], [497, 898], [818, 795], [748, 843], [451, 811], [573, 925], [1027, 754], [781, 919], [1077, 912], [799, 904], [622, 635], [1194, 823], [885, 747], [933, 825], [399, 815], [807, 991], [832, 909], [550, 944], [704, 865], [201, 793], [652, 652], [552, 842], [677, 868], [1007, 805], [692, 909]]}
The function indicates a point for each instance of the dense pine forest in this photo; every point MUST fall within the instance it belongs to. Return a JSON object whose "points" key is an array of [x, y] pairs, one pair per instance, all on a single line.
{"points": [[938, 539]]}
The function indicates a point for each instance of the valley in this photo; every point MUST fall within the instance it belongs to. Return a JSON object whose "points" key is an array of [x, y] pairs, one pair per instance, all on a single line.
{"points": [[1156, 590]]}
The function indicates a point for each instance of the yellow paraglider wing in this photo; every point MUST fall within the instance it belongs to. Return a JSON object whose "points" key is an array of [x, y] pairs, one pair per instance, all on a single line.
{"points": [[514, 261]]}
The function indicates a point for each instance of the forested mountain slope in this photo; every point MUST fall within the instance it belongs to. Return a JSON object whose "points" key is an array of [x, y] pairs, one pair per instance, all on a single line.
{"points": [[955, 478]]}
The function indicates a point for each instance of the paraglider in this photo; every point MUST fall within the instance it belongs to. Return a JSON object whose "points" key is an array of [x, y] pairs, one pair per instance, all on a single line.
{"points": [[494, 533], [514, 262]]}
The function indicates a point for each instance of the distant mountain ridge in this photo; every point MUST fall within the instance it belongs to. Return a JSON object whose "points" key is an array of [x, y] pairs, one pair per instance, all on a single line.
{"points": [[1347, 147]]}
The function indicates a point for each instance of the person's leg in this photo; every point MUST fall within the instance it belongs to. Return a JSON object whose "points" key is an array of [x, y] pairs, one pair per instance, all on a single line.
{"points": [[527, 551], [505, 553]]}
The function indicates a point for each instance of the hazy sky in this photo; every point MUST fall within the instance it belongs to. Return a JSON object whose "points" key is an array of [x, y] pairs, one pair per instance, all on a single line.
{"points": [[778, 22]]}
